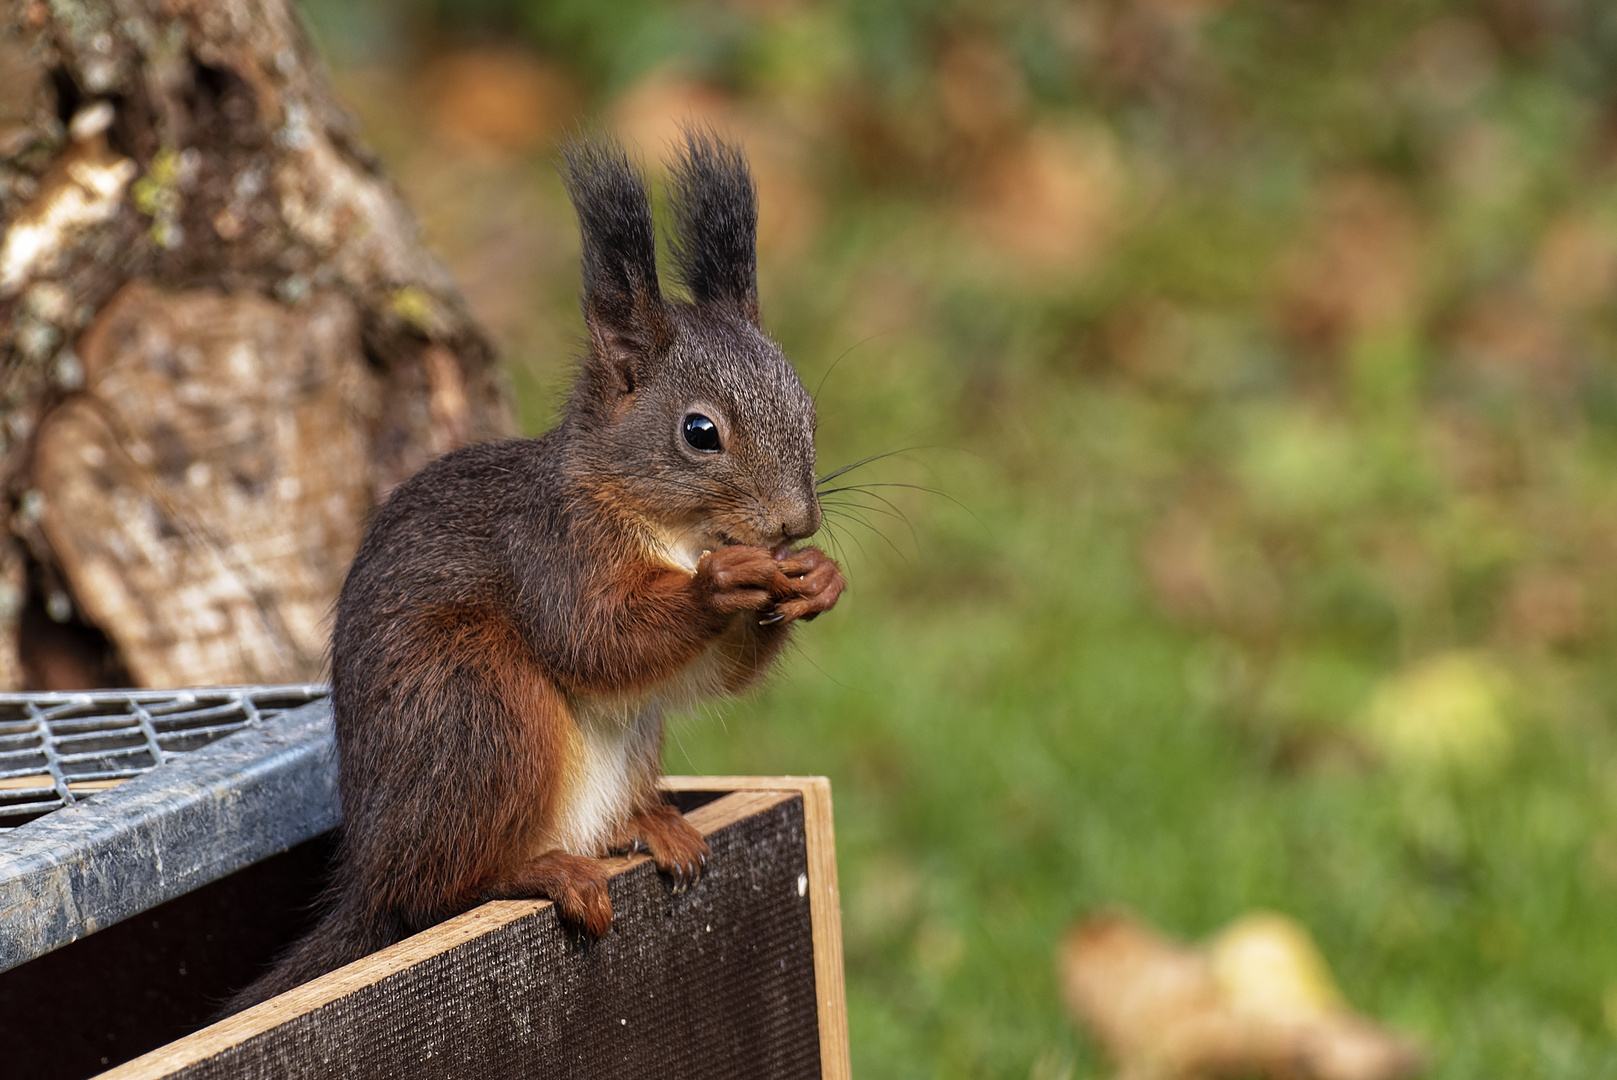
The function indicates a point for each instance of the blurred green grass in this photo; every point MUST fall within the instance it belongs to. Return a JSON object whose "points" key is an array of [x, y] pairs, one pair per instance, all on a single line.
{"points": [[1263, 354]]}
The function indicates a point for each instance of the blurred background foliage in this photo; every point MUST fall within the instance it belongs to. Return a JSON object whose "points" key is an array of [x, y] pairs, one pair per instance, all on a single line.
{"points": [[1265, 356]]}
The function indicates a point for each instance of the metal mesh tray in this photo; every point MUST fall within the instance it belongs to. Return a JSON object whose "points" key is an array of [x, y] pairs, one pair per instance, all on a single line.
{"points": [[114, 802], [58, 748]]}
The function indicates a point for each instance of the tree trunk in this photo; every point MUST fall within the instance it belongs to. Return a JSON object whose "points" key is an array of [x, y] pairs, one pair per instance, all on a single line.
{"points": [[221, 343]]}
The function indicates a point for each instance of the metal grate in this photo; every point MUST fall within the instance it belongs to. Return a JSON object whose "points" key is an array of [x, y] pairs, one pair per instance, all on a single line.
{"points": [[56, 749]]}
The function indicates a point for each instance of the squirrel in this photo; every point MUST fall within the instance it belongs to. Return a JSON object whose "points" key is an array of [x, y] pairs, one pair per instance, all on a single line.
{"points": [[521, 613]]}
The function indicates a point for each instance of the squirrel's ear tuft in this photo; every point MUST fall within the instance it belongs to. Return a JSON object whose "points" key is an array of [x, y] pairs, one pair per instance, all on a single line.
{"points": [[623, 305], [716, 223]]}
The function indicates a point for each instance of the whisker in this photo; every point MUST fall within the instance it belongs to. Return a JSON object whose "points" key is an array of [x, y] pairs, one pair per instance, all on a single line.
{"points": [[856, 543], [854, 517], [863, 508], [844, 356], [848, 509], [796, 644], [866, 507], [913, 487], [832, 541], [833, 474], [892, 511]]}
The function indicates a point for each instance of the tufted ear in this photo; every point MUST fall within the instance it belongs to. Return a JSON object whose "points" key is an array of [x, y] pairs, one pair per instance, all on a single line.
{"points": [[716, 223], [623, 306]]}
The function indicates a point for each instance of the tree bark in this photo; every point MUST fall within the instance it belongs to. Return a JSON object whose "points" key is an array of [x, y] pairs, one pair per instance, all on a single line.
{"points": [[221, 343]]}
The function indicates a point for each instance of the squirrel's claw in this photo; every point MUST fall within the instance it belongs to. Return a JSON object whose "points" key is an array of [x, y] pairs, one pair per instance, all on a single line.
{"points": [[678, 849]]}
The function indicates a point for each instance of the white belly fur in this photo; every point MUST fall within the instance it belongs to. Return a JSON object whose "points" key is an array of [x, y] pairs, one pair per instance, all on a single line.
{"points": [[618, 739], [609, 758]]}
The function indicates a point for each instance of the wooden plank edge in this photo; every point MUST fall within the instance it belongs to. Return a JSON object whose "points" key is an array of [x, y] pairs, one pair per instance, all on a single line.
{"points": [[825, 910], [825, 903], [799, 784], [335, 985]]}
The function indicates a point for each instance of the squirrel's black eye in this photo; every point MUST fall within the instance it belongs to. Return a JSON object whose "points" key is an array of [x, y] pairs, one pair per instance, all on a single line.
{"points": [[702, 434]]}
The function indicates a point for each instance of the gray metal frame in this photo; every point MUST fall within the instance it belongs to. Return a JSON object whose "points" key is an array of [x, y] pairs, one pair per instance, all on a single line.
{"points": [[203, 814], [59, 748]]}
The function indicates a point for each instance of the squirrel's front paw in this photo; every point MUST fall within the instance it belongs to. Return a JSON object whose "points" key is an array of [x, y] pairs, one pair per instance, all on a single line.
{"points": [[740, 578], [814, 582], [576, 885]]}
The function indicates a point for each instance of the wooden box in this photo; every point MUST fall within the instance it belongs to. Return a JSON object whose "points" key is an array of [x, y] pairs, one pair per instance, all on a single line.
{"points": [[738, 976]]}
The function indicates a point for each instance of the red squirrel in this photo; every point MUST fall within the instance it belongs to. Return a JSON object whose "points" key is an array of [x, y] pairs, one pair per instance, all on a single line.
{"points": [[520, 614]]}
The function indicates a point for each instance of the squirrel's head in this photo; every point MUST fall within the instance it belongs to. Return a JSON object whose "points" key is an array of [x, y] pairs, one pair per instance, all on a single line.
{"points": [[685, 412]]}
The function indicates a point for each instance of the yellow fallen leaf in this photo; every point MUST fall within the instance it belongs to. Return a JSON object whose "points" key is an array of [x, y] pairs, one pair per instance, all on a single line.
{"points": [[1258, 1001], [1445, 713], [1268, 965]]}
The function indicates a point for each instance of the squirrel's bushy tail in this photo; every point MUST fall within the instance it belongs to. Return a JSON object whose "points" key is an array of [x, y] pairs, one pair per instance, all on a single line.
{"points": [[345, 934]]}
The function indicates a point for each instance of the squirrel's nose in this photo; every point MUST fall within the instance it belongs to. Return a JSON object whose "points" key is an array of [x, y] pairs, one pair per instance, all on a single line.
{"points": [[802, 524]]}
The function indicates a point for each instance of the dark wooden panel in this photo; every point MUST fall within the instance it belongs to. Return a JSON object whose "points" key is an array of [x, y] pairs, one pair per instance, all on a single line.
{"points": [[157, 976], [716, 982]]}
